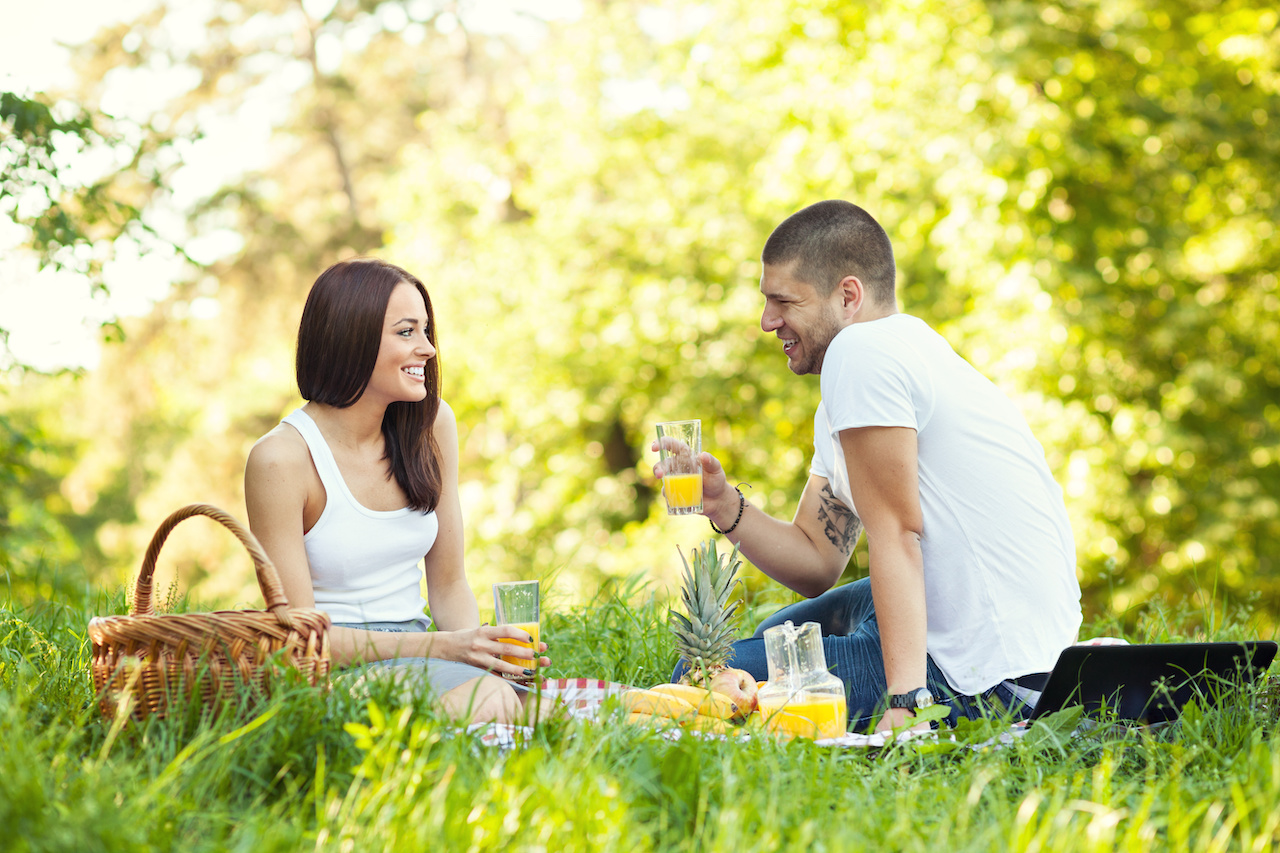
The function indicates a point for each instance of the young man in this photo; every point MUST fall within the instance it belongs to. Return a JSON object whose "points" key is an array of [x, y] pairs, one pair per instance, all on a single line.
{"points": [[972, 590]]}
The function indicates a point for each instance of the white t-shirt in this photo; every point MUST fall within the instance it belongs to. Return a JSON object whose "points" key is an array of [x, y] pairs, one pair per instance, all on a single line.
{"points": [[999, 556]]}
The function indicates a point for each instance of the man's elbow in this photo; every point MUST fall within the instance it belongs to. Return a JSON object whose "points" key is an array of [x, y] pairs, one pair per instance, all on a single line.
{"points": [[902, 544], [816, 585], [813, 591]]}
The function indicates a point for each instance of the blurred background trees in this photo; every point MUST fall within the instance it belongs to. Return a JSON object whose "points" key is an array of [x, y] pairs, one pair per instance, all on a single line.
{"points": [[1077, 193]]}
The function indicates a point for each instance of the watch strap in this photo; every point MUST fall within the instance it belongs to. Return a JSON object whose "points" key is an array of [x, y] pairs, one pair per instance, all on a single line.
{"points": [[911, 700]]}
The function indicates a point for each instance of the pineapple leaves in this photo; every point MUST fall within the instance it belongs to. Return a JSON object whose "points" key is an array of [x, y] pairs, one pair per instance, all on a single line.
{"points": [[705, 636]]}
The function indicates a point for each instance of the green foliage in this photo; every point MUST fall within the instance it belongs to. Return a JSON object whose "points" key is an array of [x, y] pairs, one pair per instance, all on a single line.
{"points": [[31, 177], [1032, 189], [1150, 199], [1079, 193], [73, 220], [37, 550]]}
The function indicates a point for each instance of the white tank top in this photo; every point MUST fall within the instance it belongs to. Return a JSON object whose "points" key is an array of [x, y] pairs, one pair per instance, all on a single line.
{"points": [[364, 562]]}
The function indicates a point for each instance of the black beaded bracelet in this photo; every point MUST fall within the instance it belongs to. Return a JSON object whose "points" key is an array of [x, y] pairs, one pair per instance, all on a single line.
{"points": [[742, 504]]}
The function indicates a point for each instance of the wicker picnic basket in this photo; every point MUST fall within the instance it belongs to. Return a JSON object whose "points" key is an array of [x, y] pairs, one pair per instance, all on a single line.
{"points": [[155, 660]]}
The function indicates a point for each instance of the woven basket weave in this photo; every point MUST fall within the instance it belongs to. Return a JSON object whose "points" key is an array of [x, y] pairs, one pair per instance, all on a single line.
{"points": [[155, 661]]}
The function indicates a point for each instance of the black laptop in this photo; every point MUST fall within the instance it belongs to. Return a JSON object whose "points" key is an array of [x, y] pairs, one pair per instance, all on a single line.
{"points": [[1151, 682]]}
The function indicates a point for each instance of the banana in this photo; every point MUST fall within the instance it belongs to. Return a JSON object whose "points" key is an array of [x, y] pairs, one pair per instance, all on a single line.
{"points": [[696, 723], [649, 719], [654, 702], [708, 702], [703, 723], [719, 706], [687, 692]]}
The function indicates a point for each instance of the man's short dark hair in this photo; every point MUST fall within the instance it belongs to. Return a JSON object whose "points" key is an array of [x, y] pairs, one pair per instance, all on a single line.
{"points": [[831, 240]]}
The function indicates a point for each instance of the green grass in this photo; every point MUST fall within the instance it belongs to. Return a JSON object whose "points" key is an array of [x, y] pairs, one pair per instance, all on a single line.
{"points": [[329, 772]]}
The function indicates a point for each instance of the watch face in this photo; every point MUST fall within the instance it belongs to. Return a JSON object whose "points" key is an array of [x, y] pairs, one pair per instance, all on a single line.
{"points": [[923, 698]]}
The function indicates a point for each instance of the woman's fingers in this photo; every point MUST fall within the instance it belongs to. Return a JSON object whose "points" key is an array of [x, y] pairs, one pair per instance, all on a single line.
{"points": [[486, 652]]}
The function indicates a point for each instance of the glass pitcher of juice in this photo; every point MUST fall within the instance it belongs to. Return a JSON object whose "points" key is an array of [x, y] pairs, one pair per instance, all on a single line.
{"points": [[801, 698]]}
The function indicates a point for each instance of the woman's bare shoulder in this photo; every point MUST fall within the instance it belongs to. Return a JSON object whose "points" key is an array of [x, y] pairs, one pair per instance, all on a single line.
{"points": [[445, 428], [283, 449]]}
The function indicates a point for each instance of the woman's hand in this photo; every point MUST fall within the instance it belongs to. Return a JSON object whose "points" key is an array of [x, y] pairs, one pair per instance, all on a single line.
{"points": [[480, 647]]}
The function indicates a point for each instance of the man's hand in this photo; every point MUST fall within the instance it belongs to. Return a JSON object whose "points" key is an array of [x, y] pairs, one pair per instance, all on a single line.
{"points": [[896, 718], [718, 497]]}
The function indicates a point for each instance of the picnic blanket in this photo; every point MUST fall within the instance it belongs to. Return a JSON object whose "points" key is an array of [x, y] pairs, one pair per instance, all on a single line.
{"points": [[582, 696], [585, 696]]}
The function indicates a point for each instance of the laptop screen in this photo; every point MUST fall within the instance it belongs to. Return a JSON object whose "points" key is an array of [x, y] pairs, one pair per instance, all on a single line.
{"points": [[1150, 682]]}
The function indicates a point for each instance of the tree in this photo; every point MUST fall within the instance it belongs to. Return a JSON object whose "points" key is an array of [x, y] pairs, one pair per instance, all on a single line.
{"points": [[1076, 193], [71, 226], [1156, 216], [74, 221], [196, 382], [1086, 180]]}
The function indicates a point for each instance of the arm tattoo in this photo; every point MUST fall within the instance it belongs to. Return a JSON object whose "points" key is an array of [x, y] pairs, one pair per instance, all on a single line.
{"points": [[840, 523]]}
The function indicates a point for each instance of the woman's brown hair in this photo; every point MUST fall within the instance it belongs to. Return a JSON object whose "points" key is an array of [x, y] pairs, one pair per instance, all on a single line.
{"points": [[338, 341]]}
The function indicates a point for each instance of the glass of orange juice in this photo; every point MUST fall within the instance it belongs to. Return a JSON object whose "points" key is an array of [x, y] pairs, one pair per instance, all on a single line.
{"points": [[680, 445], [516, 604]]}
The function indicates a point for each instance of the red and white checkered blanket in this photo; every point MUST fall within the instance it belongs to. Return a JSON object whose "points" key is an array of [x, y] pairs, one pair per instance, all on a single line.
{"points": [[582, 696]]}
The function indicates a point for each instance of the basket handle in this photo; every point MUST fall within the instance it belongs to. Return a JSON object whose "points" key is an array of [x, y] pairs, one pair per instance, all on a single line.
{"points": [[268, 577]]}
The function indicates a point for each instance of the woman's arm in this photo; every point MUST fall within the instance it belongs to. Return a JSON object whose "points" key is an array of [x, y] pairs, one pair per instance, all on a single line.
{"points": [[453, 604], [277, 477]]}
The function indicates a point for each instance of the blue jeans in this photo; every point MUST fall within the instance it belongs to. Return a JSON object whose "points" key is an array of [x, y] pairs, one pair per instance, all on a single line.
{"points": [[851, 644]]}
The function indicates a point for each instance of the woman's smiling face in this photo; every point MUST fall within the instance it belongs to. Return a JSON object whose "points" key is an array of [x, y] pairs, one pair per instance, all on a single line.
{"points": [[404, 349]]}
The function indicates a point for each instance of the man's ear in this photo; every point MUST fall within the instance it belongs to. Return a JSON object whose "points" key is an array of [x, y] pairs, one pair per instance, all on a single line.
{"points": [[853, 296]]}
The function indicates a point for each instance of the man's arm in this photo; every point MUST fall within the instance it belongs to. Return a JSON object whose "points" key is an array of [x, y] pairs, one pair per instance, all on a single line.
{"points": [[840, 525], [807, 554], [884, 482]]}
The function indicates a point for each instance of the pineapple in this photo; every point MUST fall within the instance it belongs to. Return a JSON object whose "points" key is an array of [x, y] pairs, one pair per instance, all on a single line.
{"points": [[705, 637]]}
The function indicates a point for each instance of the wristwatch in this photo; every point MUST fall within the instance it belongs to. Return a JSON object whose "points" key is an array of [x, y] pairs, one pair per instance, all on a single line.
{"points": [[913, 700]]}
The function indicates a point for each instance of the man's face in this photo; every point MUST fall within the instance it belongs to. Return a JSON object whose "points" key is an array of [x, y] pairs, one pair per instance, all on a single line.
{"points": [[804, 320]]}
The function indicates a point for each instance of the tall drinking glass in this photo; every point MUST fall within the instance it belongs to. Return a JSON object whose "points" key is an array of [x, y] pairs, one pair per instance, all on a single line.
{"points": [[679, 446], [516, 604]]}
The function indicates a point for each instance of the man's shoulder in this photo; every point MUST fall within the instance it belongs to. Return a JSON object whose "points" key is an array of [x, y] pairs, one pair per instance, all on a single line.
{"points": [[874, 333], [863, 347]]}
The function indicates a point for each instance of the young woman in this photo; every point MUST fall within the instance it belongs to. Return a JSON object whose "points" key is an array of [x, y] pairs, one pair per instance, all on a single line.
{"points": [[350, 491]]}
